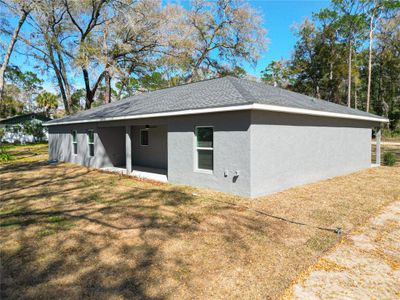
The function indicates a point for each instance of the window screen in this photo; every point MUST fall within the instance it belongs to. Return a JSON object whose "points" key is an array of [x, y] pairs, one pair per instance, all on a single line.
{"points": [[74, 142], [205, 148], [90, 136]]}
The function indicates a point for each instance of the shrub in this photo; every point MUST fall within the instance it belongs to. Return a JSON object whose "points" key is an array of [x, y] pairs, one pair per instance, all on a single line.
{"points": [[4, 156], [389, 159], [35, 129], [391, 133]]}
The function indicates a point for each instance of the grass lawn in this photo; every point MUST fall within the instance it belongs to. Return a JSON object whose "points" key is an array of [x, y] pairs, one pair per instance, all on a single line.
{"points": [[72, 232]]}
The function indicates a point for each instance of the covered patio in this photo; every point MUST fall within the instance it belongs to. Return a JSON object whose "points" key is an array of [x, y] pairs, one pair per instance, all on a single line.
{"points": [[141, 150]]}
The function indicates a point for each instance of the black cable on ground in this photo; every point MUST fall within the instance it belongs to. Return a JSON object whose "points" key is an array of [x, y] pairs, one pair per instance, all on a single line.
{"points": [[337, 230]]}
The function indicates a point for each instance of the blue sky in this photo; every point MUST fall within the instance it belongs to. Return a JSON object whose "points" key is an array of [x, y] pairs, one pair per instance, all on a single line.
{"points": [[279, 17]]}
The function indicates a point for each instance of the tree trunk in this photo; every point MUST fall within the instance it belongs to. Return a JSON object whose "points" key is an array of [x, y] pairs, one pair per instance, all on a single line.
{"points": [[371, 29], [349, 75], [58, 74], [107, 90], [355, 96], [332, 96], [107, 76], [63, 74], [91, 92], [7, 56], [89, 99]]}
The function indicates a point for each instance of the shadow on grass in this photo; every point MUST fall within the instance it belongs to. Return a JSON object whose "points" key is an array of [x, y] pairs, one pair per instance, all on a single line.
{"points": [[54, 237]]}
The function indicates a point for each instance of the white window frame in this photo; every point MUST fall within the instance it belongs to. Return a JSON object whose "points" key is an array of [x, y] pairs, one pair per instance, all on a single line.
{"points": [[148, 137], [76, 141], [89, 143], [196, 151]]}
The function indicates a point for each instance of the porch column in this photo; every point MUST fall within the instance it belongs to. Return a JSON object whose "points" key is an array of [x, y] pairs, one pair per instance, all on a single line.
{"points": [[128, 149], [378, 146]]}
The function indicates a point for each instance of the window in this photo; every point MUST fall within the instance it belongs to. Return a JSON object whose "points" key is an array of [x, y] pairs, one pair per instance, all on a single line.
{"points": [[144, 137], [205, 148], [90, 136], [74, 142]]}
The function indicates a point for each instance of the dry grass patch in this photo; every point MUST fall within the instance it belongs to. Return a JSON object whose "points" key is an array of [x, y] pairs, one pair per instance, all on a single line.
{"points": [[68, 231]]}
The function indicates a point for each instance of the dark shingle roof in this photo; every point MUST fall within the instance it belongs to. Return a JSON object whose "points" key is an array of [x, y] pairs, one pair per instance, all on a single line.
{"points": [[220, 92], [23, 118]]}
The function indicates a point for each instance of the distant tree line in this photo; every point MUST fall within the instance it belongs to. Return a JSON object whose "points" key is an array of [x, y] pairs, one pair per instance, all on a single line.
{"points": [[349, 54]]}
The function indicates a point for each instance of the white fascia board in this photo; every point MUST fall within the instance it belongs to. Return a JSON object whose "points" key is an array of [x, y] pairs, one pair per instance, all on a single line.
{"points": [[263, 107], [303, 111]]}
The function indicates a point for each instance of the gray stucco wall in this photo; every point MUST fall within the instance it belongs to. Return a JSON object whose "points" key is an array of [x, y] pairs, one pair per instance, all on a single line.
{"points": [[231, 152], [109, 145], [289, 150], [155, 155]]}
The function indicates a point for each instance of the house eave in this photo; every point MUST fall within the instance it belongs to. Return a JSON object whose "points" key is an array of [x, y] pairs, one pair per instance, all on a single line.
{"points": [[255, 106]]}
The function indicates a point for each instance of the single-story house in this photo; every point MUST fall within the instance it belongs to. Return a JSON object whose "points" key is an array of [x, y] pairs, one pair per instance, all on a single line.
{"points": [[227, 134], [14, 128]]}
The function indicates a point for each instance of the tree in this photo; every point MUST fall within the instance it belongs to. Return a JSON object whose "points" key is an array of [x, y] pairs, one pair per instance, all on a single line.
{"points": [[35, 129], [277, 73], [126, 87], [158, 45], [215, 34], [47, 102], [385, 86], [22, 8], [375, 10], [305, 62], [78, 100], [153, 81], [351, 24], [11, 106], [28, 84], [235, 71], [11, 101], [85, 16], [47, 42], [113, 38], [317, 64], [331, 51]]}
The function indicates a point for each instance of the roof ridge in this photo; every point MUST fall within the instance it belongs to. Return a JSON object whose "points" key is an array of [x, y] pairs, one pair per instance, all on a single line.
{"points": [[246, 95]]}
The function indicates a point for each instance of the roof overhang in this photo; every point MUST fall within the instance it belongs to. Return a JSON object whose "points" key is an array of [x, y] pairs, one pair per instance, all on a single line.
{"points": [[262, 107]]}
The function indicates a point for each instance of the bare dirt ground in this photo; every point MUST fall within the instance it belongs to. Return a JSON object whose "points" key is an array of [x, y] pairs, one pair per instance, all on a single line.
{"points": [[71, 232], [365, 265]]}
